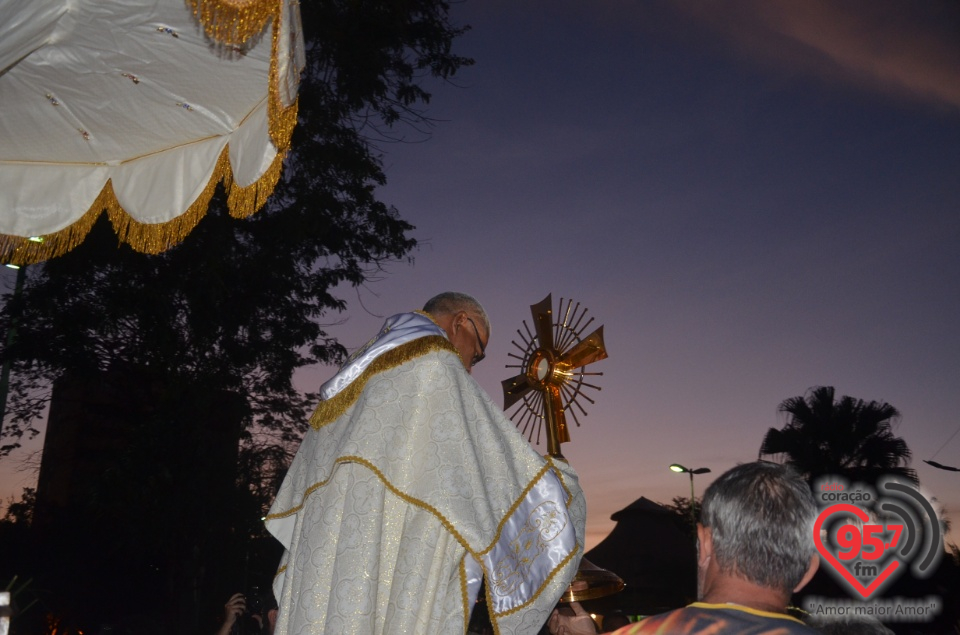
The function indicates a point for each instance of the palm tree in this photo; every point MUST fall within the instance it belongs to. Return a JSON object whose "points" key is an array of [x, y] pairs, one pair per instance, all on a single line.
{"points": [[851, 438]]}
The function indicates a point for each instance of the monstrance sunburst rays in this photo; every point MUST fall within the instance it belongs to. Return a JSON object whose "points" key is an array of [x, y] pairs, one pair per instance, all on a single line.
{"points": [[552, 379]]}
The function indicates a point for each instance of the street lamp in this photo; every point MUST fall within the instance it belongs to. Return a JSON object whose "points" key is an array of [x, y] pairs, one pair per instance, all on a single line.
{"points": [[676, 467]]}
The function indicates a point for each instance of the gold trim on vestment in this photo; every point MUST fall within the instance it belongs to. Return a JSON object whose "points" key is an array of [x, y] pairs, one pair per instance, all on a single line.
{"points": [[332, 409], [390, 486], [563, 484], [417, 502], [513, 508], [448, 525], [546, 582]]}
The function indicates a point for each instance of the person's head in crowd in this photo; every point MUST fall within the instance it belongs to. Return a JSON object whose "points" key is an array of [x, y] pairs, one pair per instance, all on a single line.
{"points": [[757, 527]]}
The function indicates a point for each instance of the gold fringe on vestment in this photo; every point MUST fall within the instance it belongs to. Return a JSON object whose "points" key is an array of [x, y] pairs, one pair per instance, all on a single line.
{"points": [[331, 409]]}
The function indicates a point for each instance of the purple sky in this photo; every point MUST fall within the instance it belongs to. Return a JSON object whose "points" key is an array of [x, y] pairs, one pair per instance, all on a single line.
{"points": [[751, 202], [750, 208]]}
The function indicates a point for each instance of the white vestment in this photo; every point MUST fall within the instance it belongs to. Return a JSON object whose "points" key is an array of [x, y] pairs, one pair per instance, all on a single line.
{"points": [[412, 485]]}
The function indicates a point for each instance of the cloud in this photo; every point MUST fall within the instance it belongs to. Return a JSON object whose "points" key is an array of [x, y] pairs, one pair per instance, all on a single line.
{"points": [[896, 46]]}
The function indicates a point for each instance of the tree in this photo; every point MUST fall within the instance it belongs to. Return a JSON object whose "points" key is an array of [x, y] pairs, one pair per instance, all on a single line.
{"points": [[680, 505], [21, 512], [848, 437], [238, 306]]}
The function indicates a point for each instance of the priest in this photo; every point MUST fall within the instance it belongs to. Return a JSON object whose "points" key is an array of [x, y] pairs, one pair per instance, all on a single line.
{"points": [[411, 487]]}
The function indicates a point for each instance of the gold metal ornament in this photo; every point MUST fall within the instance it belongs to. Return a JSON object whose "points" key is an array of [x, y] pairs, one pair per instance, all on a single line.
{"points": [[551, 378], [549, 384]]}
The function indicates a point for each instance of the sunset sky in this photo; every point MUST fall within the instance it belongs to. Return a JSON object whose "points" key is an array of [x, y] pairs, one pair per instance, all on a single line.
{"points": [[753, 197], [752, 201]]}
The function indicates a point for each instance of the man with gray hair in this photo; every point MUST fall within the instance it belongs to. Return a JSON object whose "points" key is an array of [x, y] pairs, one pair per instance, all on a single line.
{"points": [[412, 487], [755, 549], [452, 311]]}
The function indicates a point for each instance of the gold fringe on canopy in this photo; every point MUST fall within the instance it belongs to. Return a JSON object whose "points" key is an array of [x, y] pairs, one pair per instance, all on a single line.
{"points": [[230, 22], [280, 119], [146, 237], [18, 250], [154, 238], [233, 21], [245, 201]]}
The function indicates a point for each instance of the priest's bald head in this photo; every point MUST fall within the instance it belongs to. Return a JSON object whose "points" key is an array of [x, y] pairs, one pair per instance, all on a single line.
{"points": [[465, 322]]}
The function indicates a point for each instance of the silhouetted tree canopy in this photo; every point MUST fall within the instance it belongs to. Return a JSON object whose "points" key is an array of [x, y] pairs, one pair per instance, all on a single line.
{"points": [[844, 437]]}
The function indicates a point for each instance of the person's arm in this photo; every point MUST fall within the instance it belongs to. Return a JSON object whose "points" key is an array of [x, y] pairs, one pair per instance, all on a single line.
{"points": [[232, 610]]}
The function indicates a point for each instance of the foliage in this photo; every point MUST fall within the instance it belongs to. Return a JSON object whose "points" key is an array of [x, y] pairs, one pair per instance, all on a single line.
{"points": [[851, 438], [680, 505], [21, 512]]}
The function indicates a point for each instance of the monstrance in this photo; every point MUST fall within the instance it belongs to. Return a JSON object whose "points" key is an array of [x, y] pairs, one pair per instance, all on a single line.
{"points": [[550, 383]]}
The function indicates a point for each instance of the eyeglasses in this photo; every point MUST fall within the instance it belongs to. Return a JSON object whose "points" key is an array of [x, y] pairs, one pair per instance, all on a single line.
{"points": [[483, 349]]}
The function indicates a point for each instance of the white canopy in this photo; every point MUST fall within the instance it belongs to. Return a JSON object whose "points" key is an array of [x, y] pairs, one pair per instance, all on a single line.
{"points": [[139, 108]]}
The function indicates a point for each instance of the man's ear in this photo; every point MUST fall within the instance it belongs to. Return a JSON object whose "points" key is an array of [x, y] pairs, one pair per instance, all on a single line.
{"points": [[811, 570], [446, 323], [704, 545]]}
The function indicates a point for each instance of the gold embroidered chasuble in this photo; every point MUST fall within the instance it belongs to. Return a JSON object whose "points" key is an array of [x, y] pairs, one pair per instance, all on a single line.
{"points": [[412, 485]]}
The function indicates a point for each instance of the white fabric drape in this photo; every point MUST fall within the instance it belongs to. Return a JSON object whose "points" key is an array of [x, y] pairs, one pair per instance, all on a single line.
{"points": [[135, 93]]}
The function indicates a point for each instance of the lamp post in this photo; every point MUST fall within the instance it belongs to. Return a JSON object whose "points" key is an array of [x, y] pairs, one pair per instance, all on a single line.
{"points": [[676, 467]]}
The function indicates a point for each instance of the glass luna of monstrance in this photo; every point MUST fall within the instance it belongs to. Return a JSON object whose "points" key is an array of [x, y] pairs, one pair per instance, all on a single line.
{"points": [[550, 383]]}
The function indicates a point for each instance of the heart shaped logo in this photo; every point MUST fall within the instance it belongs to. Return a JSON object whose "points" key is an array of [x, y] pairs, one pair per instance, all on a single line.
{"points": [[825, 551]]}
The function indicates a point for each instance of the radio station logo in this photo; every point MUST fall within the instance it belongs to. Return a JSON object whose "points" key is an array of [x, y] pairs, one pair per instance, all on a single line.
{"points": [[868, 538]]}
